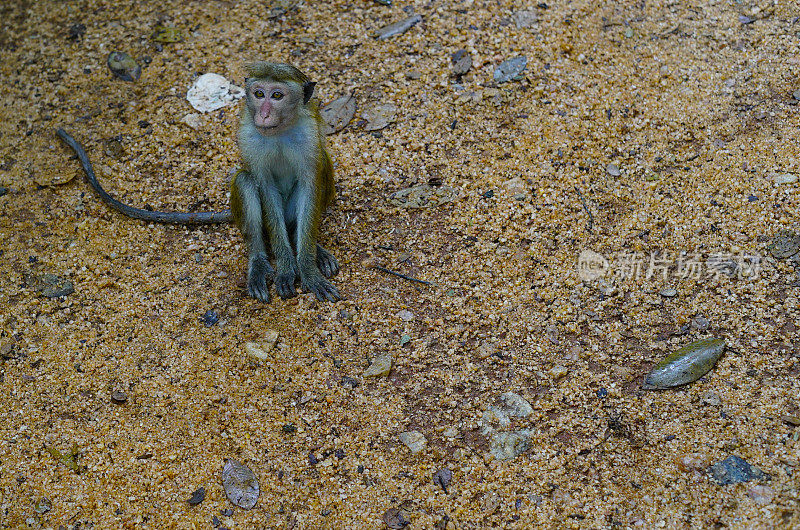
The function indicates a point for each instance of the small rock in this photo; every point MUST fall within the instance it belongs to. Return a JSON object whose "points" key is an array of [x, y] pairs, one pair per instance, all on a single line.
{"points": [[197, 497], [613, 170], [733, 470], [685, 365], [761, 494], [398, 28], [510, 69], [490, 502], [744, 19], [691, 462], [394, 520], [442, 478], [450, 432], [508, 445], [524, 19], [462, 63], [669, 293], [240, 483], [193, 120], [423, 196], [406, 315], [118, 396], [785, 244], [796, 94], [167, 34], [557, 372], [511, 406], [123, 66], [209, 318], [43, 506], [783, 178], [349, 382], [381, 365], [711, 398], [700, 323], [211, 92], [76, 31], [413, 75], [414, 440], [49, 285]]}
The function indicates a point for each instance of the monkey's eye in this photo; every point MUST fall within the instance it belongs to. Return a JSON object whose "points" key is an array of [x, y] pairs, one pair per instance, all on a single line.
{"points": [[277, 95], [259, 94]]}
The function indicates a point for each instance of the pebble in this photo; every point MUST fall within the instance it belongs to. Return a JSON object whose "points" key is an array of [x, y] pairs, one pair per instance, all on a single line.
{"points": [[193, 120], [785, 244], [48, 284], [123, 66], [414, 440], [394, 520], [211, 92], [197, 497], [557, 372], [783, 178], [686, 365], [796, 94], [700, 323], [510, 69], [381, 365], [406, 315], [669, 293], [613, 170], [240, 483], [442, 478], [209, 318], [761, 494], [118, 396], [423, 196], [733, 470], [167, 34], [398, 28], [524, 19], [508, 445], [462, 63], [511, 406]]}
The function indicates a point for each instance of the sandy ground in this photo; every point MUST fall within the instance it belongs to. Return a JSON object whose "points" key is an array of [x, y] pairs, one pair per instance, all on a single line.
{"points": [[692, 101]]}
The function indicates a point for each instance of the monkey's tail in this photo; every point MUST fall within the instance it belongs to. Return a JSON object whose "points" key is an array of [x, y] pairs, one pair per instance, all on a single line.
{"points": [[182, 218]]}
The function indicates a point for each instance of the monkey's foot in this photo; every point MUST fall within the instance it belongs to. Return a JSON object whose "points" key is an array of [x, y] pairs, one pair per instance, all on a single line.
{"points": [[259, 276], [327, 264], [322, 288]]}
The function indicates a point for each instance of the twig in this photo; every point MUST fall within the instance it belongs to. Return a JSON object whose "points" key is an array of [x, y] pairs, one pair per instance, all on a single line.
{"points": [[400, 275], [590, 224]]}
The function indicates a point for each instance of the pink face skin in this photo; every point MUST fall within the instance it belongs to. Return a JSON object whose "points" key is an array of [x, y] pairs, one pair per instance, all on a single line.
{"points": [[273, 105]]}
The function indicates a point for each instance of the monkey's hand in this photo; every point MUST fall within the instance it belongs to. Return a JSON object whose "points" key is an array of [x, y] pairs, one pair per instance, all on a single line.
{"points": [[284, 281], [259, 275], [327, 264], [315, 283]]}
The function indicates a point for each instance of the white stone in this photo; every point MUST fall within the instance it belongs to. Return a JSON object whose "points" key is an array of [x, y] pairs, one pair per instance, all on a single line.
{"points": [[211, 92]]}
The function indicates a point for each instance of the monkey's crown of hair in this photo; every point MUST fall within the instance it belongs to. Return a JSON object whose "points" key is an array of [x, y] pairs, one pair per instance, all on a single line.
{"points": [[280, 72]]}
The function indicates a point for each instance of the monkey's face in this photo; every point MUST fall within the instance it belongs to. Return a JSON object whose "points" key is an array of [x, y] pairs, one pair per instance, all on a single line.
{"points": [[274, 104]]}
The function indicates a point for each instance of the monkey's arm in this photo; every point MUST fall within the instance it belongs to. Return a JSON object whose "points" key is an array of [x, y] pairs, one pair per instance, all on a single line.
{"points": [[275, 219], [309, 214], [181, 218]]}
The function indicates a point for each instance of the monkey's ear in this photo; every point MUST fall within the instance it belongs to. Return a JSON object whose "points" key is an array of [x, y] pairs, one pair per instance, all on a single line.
{"points": [[308, 91]]}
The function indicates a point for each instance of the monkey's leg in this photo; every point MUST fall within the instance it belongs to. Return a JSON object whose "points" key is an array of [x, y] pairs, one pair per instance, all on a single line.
{"points": [[285, 262], [246, 209], [327, 264], [308, 210]]}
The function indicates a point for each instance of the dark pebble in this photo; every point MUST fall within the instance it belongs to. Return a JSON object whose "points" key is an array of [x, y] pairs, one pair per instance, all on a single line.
{"points": [[215, 522], [350, 382], [3, 190], [602, 393], [733, 470], [197, 497], [118, 396], [339, 453], [76, 31], [312, 459], [488, 194], [209, 318], [442, 478], [289, 428], [227, 512], [360, 469]]}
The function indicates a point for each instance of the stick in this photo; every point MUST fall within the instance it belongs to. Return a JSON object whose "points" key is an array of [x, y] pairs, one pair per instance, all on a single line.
{"points": [[590, 224], [400, 275]]}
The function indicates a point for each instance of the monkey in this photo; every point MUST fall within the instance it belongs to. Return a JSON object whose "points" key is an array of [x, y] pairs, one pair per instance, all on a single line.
{"points": [[279, 195]]}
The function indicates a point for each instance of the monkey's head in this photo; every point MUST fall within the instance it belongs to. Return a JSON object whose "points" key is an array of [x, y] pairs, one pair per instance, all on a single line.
{"points": [[276, 93]]}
